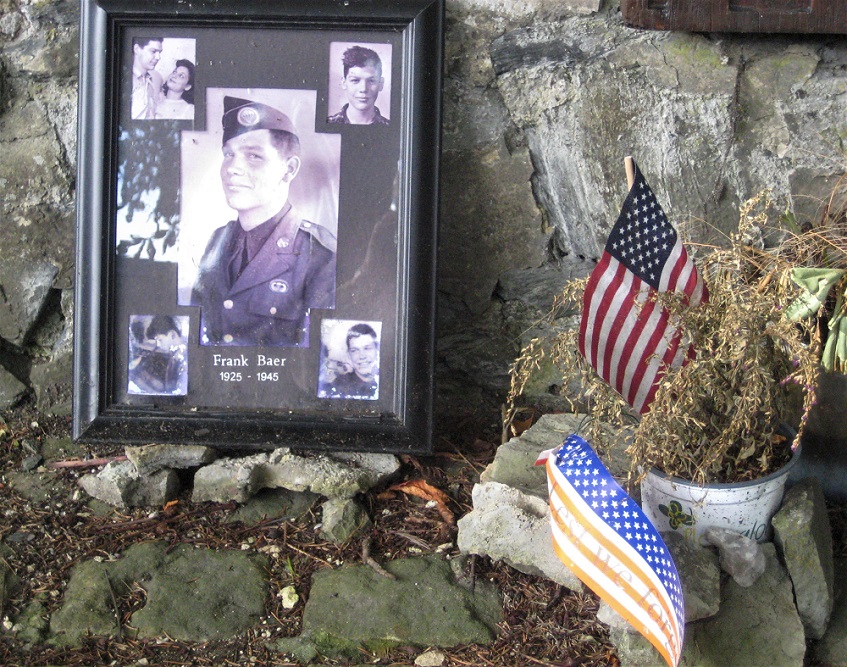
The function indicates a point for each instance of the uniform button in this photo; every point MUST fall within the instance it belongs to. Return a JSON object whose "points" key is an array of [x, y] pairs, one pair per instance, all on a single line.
{"points": [[273, 310], [307, 224], [228, 304], [282, 243], [227, 338]]}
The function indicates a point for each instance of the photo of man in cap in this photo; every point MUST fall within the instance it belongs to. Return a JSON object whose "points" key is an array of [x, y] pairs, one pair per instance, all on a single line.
{"points": [[261, 273]]}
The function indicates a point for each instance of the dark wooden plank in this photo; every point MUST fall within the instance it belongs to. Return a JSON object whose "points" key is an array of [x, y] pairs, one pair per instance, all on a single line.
{"points": [[771, 16]]}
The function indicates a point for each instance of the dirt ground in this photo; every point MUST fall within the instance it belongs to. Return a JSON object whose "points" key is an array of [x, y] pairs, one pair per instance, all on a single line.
{"points": [[544, 624]]}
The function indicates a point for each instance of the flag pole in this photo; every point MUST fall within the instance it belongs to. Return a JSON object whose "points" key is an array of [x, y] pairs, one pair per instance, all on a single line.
{"points": [[629, 165]]}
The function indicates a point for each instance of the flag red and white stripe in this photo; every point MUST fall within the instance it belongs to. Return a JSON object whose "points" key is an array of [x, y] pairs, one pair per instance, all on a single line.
{"points": [[626, 335], [602, 535]]}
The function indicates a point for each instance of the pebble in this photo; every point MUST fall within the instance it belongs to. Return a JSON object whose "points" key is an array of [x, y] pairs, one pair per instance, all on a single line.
{"points": [[289, 596], [430, 659]]}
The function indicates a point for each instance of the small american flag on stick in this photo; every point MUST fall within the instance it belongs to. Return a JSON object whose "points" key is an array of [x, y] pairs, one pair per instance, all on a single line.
{"points": [[627, 336], [601, 534]]}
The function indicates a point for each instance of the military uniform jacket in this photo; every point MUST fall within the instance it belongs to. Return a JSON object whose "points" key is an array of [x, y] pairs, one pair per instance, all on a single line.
{"points": [[269, 302], [341, 117]]}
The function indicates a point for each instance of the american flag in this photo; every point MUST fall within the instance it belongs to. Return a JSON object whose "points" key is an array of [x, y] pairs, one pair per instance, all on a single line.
{"points": [[602, 535], [628, 337]]}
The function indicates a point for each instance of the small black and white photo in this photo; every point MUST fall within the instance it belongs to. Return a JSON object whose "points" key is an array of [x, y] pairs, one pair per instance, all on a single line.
{"points": [[349, 360], [158, 355], [359, 84], [259, 220], [162, 77]]}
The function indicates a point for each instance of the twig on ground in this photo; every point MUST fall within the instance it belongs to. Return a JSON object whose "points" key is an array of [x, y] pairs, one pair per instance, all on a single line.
{"points": [[85, 463], [115, 609], [370, 562], [417, 541]]}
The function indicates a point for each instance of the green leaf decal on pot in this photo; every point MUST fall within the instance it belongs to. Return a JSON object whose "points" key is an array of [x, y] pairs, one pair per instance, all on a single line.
{"points": [[676, 515]]}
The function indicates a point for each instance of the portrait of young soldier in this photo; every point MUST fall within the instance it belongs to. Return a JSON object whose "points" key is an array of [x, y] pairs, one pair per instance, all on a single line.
{"points": [[362, 83], [261, 273]]}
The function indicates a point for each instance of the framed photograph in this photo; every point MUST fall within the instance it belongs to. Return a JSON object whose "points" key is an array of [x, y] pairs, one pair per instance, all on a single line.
{"points": [[257, 204]]}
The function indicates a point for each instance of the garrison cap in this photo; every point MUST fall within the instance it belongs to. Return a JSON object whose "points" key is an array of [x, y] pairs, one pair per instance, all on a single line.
{"points": [[242, 116]]}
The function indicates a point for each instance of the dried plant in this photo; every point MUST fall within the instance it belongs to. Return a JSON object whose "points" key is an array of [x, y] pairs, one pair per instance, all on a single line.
{"points": [[819, 250], [715, 419]]}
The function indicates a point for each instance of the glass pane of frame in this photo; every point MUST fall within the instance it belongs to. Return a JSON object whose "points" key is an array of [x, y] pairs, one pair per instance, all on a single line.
{"points": [[256, 223]]}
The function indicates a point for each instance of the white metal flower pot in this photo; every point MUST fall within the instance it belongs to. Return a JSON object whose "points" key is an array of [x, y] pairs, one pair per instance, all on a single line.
{"points": [[677, 505]]}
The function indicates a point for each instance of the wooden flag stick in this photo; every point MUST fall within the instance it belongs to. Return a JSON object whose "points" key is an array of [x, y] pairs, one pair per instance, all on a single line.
{"points": [[629, 164]]}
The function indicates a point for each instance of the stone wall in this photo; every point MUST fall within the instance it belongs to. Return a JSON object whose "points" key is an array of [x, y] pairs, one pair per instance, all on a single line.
{"points": [[542, 101]]}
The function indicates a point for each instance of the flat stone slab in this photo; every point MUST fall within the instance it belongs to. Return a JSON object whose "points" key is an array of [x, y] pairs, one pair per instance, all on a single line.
{"points": [[193, 594], [355, 606], [39, 487]]}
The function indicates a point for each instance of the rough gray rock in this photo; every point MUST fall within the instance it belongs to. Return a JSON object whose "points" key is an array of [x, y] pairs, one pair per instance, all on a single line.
{"points": [[274, 504], [430, 659], [509, 525], [192, 594], [700, 575], [514, 462], [423, 606], [506, 229], [12, 390], [332, 476], [151, 458], [539, 286], [741, 557], [228, 479], [52, 375], [326, 475], [804, 537], [120, 485], [342, 518], [755, 626], [831, 650], [526, 10]]}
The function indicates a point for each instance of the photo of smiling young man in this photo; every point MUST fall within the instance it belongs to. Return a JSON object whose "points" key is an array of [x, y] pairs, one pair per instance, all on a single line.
{"points": [[260, 274], [349, 359], [364, 71]]}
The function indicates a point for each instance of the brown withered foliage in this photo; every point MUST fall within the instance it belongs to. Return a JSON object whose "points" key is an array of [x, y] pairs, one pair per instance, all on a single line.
{"points": [[716, 417]]}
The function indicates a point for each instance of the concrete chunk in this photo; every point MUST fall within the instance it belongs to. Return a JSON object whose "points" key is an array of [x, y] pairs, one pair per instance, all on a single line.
{"points": [[514, 527], [803, 535], [228, 479], [741, 557], [150, 458], [120, 485]]}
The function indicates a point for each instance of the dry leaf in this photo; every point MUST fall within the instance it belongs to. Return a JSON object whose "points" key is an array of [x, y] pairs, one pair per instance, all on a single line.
{"points": [[422, 489]]}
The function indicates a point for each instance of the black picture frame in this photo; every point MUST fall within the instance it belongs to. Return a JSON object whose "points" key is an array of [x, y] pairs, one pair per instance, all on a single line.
{"points": [[146, 194]]}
